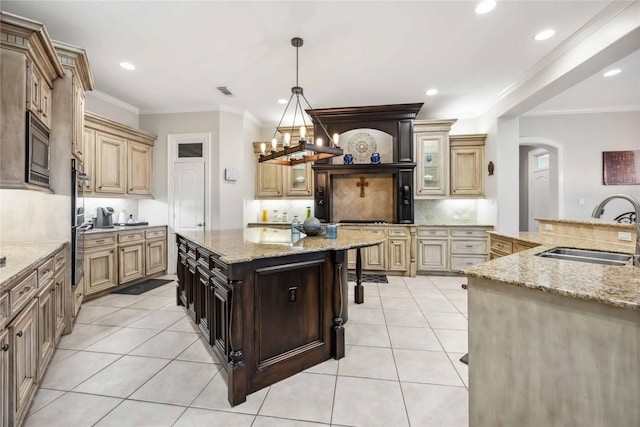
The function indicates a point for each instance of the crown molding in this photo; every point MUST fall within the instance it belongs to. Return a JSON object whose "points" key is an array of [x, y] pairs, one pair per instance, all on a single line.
{"points": [[596, 110], [113, 101]]}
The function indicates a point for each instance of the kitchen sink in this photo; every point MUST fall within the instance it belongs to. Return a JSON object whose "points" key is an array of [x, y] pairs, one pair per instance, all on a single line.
{"points": [[584, 255]]}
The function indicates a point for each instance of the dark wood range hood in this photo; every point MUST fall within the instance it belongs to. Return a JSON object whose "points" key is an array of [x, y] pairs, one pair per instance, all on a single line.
{"points": [[395, 120]]}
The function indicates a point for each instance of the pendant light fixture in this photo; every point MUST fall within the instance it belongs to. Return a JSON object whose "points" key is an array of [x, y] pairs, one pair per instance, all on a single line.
{"points": [[305, 151]]}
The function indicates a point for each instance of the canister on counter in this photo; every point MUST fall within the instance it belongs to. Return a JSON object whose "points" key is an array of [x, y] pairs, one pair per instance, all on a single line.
{"points": [[332, 231]]}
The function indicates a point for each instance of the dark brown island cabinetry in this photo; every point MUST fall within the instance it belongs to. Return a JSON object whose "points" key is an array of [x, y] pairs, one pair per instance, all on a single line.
{"points": [[267, 316]]}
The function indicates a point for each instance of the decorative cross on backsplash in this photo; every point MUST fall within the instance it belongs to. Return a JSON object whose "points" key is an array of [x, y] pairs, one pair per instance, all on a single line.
{"points": [[362, 184]]}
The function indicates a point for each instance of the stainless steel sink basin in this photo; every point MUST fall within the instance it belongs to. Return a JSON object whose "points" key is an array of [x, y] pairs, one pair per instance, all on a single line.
{"points": [[583, 255]]}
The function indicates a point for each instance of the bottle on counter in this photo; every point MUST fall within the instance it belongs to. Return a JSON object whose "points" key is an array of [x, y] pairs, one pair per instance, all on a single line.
{"points": [[295, 232], [276, 216], [264, 215], [308, 211], [285, 217], [131, 220]]}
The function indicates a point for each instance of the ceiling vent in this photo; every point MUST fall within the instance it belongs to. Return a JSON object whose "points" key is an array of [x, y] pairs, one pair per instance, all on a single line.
{"points": [[224, 90]]}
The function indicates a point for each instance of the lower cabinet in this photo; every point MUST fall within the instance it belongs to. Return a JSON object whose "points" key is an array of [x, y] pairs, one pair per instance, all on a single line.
{"points": [[46, 326], [451, 249], [23, 355], [504, 245], [399, 248], [99, 270], [130, 262], [4, 377], [155, 256], [58, 304], [433, 254]]}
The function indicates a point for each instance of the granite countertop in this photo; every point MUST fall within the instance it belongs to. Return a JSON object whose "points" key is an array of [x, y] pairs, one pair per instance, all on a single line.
{"points": [[122, 228], [601, 223], [614, 285], [23, 256], [457, 224], [241, 245]]}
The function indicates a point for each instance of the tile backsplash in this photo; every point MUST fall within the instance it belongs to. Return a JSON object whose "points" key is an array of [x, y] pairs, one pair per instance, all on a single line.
{"points": [[446, 211], [377, 203], [128, 206]]}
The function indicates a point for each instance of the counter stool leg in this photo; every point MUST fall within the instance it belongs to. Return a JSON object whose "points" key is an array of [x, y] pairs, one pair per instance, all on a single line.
{"points": [[358, 290]]}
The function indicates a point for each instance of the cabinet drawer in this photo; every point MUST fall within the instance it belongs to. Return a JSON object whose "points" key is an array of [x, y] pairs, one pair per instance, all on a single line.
{"points": [[45, 271], [397, 232], [504, 247], [461, 262], [433, 232], [204, 258], [23, 292], [131, 236], [519, 247], [155, 233], [468, 232], [99, 240], [4, 309], [58, 261], [468, 246]]}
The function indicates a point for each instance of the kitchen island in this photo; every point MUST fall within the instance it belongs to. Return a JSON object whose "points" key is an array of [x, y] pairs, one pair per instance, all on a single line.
{"points": [[553, 342], [270, 304]]}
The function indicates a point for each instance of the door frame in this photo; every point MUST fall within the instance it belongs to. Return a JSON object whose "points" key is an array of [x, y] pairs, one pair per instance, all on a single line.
{"points": [[553, 147], [173, 139]]}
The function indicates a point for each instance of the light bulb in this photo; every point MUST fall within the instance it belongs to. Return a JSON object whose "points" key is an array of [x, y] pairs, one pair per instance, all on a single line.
{"points": [[274, 144], [336, 139], [263, 147], [319, 141], [287, 139], [303, 132]]}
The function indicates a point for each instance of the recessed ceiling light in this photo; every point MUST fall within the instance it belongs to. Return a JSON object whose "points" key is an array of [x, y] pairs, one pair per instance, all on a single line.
{"points": [[543, 35], [611, 72], [485, 6], [431, 92], [128, 66], [282, 101]]}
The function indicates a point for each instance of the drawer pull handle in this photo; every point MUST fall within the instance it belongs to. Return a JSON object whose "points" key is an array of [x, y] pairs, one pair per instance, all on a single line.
{"points": [[100, 241], [468, 246], [5, 347], [25, 290], [131, 237], [20, 334]]}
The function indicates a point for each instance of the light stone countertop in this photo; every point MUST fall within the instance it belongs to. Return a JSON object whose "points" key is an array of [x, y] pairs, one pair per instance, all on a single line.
{"points": [[457, 224], [24, 256], [613, 285], [600, 223], [242, 245], [123, 228]]}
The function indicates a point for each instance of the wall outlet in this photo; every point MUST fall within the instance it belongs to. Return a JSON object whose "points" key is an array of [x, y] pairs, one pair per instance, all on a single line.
{"points": [[548, 227], [624, 236], [581, 201]]}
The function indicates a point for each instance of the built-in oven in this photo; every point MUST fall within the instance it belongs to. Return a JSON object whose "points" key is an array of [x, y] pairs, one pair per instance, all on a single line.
{"points": [[78, 225], [37, 152]]}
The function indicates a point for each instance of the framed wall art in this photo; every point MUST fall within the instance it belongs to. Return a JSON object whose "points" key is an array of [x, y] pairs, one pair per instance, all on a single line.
{"points": [[621, 167]]}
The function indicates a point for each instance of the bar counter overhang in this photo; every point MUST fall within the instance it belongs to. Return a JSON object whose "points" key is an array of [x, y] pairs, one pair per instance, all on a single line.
{"points": [[269, 305]]}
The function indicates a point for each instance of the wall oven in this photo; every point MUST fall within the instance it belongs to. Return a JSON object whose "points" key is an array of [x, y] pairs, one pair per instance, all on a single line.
{"points": [[78, 225], [37, 152]]}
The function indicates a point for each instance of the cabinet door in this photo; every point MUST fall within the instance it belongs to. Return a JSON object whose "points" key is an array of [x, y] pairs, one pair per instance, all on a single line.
{"points": [[139, 164], [78, 295], [23, 353], [466, 171], [110, 164], [432, 254], [130, 263], [432, 159], [298, 180], [45, 104], [220, 312], [374, 257], [268, 180], [156, 256], [58, 304], [77, 143], [34, 87], [398, 254], [4, 378], [100, 270], [46, 327]]}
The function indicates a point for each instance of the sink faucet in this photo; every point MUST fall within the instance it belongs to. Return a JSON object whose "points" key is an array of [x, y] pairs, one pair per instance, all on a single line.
{"points": [[636, 205]]}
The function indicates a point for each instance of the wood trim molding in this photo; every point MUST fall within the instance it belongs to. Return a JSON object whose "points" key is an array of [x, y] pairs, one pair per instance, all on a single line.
{"points": [[433, 125], [102, 124], [477, 139], [75, 58]]}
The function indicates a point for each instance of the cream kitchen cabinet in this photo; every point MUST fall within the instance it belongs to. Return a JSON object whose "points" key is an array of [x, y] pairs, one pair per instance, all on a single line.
{"points": [[155, 251], [398, 245], [4, 377], [89, 144], [23, 355], [467, 158], [431, 145], [130, 256], [119, 158], [469, 246], [59, 304], [100, 263], [277, 181], [433, 249], [375, 257], [393, 256], [39, 94], [70, 97], [46, 326]]}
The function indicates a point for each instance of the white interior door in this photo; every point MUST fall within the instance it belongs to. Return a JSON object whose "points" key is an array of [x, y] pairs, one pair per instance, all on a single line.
{"points": [[539, 189], [189, 196]]}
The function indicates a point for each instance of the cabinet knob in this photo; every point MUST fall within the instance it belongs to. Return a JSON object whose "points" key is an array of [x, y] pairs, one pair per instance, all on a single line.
{"points": [[39, 111], [5, 347], [100, 187], [20, 334]]}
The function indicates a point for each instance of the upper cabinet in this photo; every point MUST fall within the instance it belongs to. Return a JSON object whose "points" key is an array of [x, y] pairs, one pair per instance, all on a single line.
{"points": [[447, 165], [278, 181], [69, 97], [119, 159], [29, 66]]}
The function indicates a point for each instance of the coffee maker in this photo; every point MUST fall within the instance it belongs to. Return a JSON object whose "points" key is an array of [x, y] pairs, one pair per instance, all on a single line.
{"points": [[104, 218]]}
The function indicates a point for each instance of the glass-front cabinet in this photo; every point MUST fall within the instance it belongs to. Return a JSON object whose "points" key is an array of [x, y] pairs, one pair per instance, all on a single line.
{"points": [[432, 159], [297, 182]]}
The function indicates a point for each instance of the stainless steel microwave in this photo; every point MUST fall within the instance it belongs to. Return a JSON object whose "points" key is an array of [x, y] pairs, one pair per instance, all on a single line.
{"points": [[38, 155]]}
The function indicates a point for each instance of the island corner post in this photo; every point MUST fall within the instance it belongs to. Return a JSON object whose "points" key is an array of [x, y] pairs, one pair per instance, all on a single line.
{"points": [[266, 319]]}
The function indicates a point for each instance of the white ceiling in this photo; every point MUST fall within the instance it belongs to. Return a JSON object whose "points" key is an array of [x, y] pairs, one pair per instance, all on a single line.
{"points": [[355, 52]]}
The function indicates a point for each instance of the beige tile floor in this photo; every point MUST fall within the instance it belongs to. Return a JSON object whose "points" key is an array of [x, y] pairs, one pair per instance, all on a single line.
{"points": [[138, 360]]}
